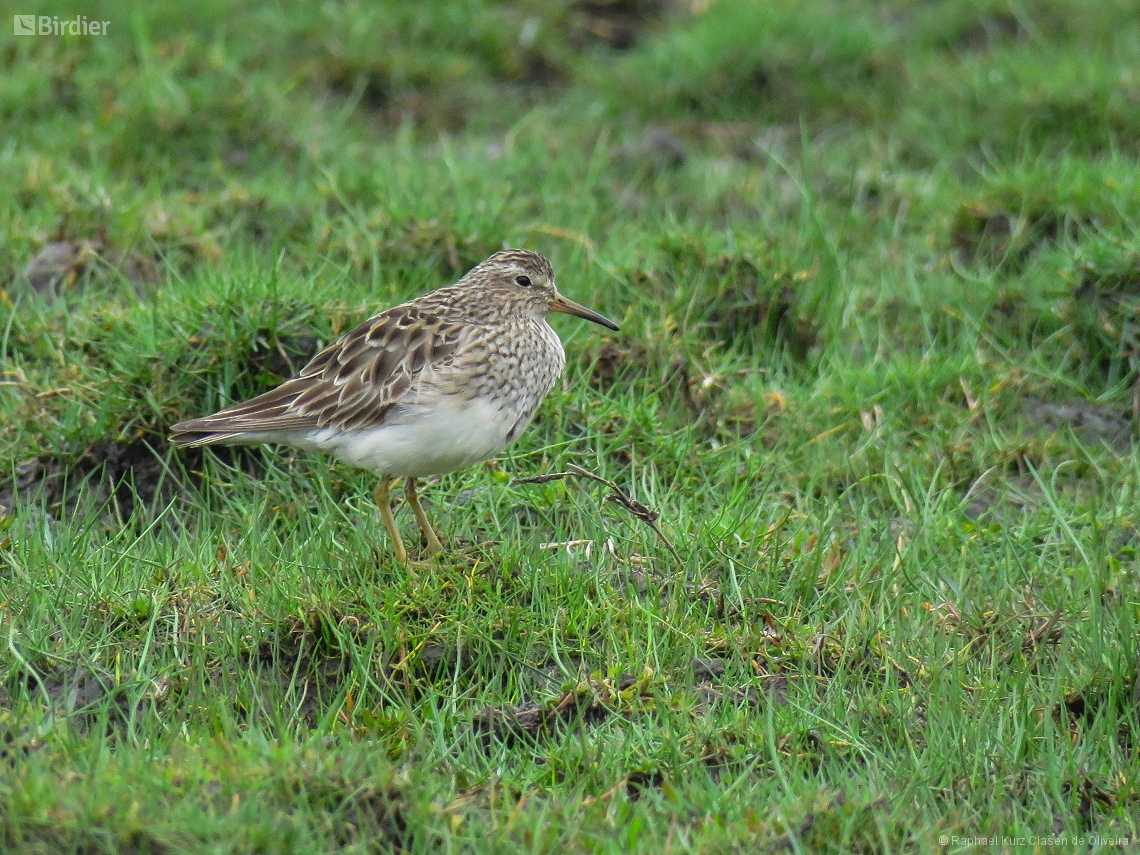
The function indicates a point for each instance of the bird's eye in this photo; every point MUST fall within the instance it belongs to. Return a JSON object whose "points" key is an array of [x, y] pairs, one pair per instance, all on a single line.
{"points": [[524, 281]]}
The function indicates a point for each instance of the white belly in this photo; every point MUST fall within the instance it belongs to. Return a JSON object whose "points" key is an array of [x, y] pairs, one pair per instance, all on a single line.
{"points": [[424, 441]]}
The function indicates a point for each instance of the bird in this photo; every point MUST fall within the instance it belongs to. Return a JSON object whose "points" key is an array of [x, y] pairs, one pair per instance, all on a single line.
{"points": [[436, 384]]}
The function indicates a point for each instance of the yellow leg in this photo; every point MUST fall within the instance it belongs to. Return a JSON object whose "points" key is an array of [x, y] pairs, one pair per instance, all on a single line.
{"points": [[434, 547], [381, 496]]}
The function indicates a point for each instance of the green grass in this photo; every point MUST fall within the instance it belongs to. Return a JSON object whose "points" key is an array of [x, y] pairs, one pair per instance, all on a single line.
{"points": [[876, 270]]}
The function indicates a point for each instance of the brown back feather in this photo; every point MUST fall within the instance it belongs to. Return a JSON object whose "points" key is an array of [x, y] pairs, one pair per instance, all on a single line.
{"points": [[351, 384], [355, 381]]}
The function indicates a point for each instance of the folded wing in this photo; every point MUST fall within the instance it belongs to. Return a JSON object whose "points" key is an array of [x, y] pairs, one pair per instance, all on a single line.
{"points": [[351, 384]]}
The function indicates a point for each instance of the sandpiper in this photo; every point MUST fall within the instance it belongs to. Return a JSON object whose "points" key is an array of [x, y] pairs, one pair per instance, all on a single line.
{"points": [[441, 382]]}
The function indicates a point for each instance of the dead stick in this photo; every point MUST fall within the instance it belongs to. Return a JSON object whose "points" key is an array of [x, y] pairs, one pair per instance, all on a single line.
{"points": [[617, 495]]}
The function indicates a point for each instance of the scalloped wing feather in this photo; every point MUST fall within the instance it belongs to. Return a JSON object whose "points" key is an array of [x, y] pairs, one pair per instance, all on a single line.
{"points": [[350, 385]]}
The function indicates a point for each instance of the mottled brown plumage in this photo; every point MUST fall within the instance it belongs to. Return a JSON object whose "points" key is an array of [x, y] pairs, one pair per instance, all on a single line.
{"points": [[426, 387]]}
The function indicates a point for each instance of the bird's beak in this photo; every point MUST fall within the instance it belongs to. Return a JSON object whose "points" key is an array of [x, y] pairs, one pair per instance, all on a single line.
{"points": [[569, 307]]}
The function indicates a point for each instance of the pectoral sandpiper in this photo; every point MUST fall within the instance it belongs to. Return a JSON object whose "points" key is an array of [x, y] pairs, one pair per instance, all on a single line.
{"points": [[441, 382]]}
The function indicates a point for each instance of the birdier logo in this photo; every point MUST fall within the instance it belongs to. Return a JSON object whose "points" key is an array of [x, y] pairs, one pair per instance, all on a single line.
{"points": [[51, 25]]}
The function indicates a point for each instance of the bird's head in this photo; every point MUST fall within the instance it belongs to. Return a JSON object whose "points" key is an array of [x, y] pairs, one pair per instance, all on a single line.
{"points": [[523, 282]]}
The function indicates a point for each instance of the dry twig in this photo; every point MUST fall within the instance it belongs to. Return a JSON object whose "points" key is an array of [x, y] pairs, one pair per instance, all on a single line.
{"points": [[617, 495]]}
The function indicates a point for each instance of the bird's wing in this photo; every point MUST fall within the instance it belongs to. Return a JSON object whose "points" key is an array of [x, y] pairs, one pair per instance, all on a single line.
{"points": [[350, 385]]}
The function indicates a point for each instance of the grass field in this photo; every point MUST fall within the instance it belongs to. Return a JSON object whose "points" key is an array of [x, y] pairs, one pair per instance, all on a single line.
{"points": [[877, 266]]}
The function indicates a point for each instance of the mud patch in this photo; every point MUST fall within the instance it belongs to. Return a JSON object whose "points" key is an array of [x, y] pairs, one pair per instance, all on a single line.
{"points": [[707, 670], [1092, 800], [829, 816], [991, 497], [863, 663], [659, 149], [357, 813], [642, 781], [709, 685], [1102, 695], [617, 23], [1092, 423], [749, 303], [114, 478], [990, 233], [63, 266], [301, 670], [59, 264], [586, 702], [389, 103], [1105, 697], [751, 313], [1027, 631], [441, 660], [67, 832], [119, 476], [1104, 314], [989, 31], [79, 695], [613, 362], [488, 52]]}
